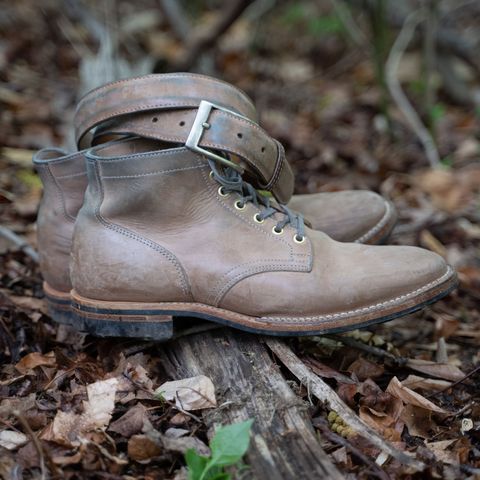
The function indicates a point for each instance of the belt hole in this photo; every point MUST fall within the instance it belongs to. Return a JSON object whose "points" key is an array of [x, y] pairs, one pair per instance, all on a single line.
{"points": [[182, 123], [154, 119], [263, 149], [239, 135]]}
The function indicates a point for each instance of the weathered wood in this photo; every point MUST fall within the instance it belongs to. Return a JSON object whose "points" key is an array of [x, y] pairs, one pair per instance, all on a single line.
{"points": [[249, 385]]}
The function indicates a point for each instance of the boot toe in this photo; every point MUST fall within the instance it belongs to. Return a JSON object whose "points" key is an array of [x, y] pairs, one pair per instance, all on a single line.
{"points": [[350, 216]]}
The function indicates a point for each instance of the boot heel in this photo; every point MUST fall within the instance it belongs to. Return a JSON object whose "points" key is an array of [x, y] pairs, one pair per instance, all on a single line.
{"points": [[58, 305], [98, 322]]}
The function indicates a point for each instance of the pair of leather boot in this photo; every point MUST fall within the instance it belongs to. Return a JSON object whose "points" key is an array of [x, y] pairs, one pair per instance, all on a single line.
{"points": [[181, 206]]}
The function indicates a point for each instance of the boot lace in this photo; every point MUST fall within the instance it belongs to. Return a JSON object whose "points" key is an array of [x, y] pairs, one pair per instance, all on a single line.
{"points": [[231, 181]]}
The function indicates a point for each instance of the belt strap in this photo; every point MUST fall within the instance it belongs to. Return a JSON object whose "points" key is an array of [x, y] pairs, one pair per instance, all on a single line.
{"points": [[201, 112]]}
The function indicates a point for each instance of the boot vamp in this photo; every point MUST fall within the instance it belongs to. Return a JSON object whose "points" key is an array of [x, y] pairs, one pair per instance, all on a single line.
{"points": [[344, 277], [345, 216]]}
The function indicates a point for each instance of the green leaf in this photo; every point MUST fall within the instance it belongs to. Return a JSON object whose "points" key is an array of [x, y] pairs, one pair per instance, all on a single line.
{"points": [[220, 476], [230, 443], [196, 464]]}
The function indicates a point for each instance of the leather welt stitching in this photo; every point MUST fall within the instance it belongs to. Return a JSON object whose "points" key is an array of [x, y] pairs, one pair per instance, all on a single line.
{"points": [[154, 246], [368, 309]]}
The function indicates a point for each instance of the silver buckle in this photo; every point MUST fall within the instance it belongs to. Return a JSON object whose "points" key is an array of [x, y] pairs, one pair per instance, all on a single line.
{"points": [[200, 124]]}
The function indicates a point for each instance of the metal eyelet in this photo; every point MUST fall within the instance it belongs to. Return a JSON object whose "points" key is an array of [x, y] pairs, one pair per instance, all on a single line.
{"points": [[239, 205], [299, 238], [257, 219], [222, 193], [211, 174], [277, 232]]}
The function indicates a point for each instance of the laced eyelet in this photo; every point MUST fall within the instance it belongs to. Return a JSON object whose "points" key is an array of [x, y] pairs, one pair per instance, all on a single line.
{"points": [[239, 205], [222, 193], [298, 238], [276, 231], [257, 218], [211, 174]]}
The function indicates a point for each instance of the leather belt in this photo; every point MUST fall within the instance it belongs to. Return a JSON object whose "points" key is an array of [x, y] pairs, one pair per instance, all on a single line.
{"points": [[203, 113]]}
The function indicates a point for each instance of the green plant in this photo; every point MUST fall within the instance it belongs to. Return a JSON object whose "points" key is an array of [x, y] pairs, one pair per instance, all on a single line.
{"points": [[227, 447]]}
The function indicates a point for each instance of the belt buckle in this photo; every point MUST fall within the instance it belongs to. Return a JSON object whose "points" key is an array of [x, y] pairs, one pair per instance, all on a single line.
{"points": [[200, 124]]}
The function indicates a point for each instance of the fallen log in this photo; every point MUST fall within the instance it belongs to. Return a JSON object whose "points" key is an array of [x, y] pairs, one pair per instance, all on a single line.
{"points": [[249, 385]]}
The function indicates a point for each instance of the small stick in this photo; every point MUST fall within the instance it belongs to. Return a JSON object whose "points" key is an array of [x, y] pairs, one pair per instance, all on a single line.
{"points": [[378, 352], [327, 395], [337, 439], [20, 242], [35, 441], [458, 382], [393, 62]]}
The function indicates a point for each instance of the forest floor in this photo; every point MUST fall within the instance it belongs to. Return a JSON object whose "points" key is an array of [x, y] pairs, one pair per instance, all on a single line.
{"points": [[415, 380]]}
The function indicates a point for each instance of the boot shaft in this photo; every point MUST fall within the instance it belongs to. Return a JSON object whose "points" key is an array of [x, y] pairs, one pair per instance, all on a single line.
{"points": [[64, 180]]}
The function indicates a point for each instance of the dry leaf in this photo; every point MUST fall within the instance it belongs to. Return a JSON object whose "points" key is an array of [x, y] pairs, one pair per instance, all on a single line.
{"points": [[194, 393], [325, 371], [442, 452], [131, 422], [364, 369], [35, 359], [418, 420], [11, 439], [410, 397], [67, 427], [432, 384], [101, 402], [179, 419], [142, 447], [383, 423], [445, 371]]}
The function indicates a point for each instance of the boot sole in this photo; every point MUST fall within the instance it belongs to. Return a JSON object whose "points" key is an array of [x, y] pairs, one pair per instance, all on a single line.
{"points": [[162, 321]]}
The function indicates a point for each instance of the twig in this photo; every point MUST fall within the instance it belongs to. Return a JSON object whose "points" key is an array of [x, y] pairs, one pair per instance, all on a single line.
{"points": [[203, 39], [458, 382], [36, 443], [378, 352], [351, 27], [176, 17], [429, 56], [397, 93], [20, 242], [327, 395], [337, 439]]}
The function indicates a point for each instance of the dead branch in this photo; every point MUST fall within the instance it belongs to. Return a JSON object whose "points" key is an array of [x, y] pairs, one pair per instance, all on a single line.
{"points": [[19, 242], [327, 395], [393, 62], [176, 17], [202, 39], [283, 442]]}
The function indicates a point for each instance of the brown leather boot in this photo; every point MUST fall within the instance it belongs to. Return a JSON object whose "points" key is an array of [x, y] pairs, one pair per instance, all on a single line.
{"points": [[174, 232], [357, 216], [64, 179]]}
